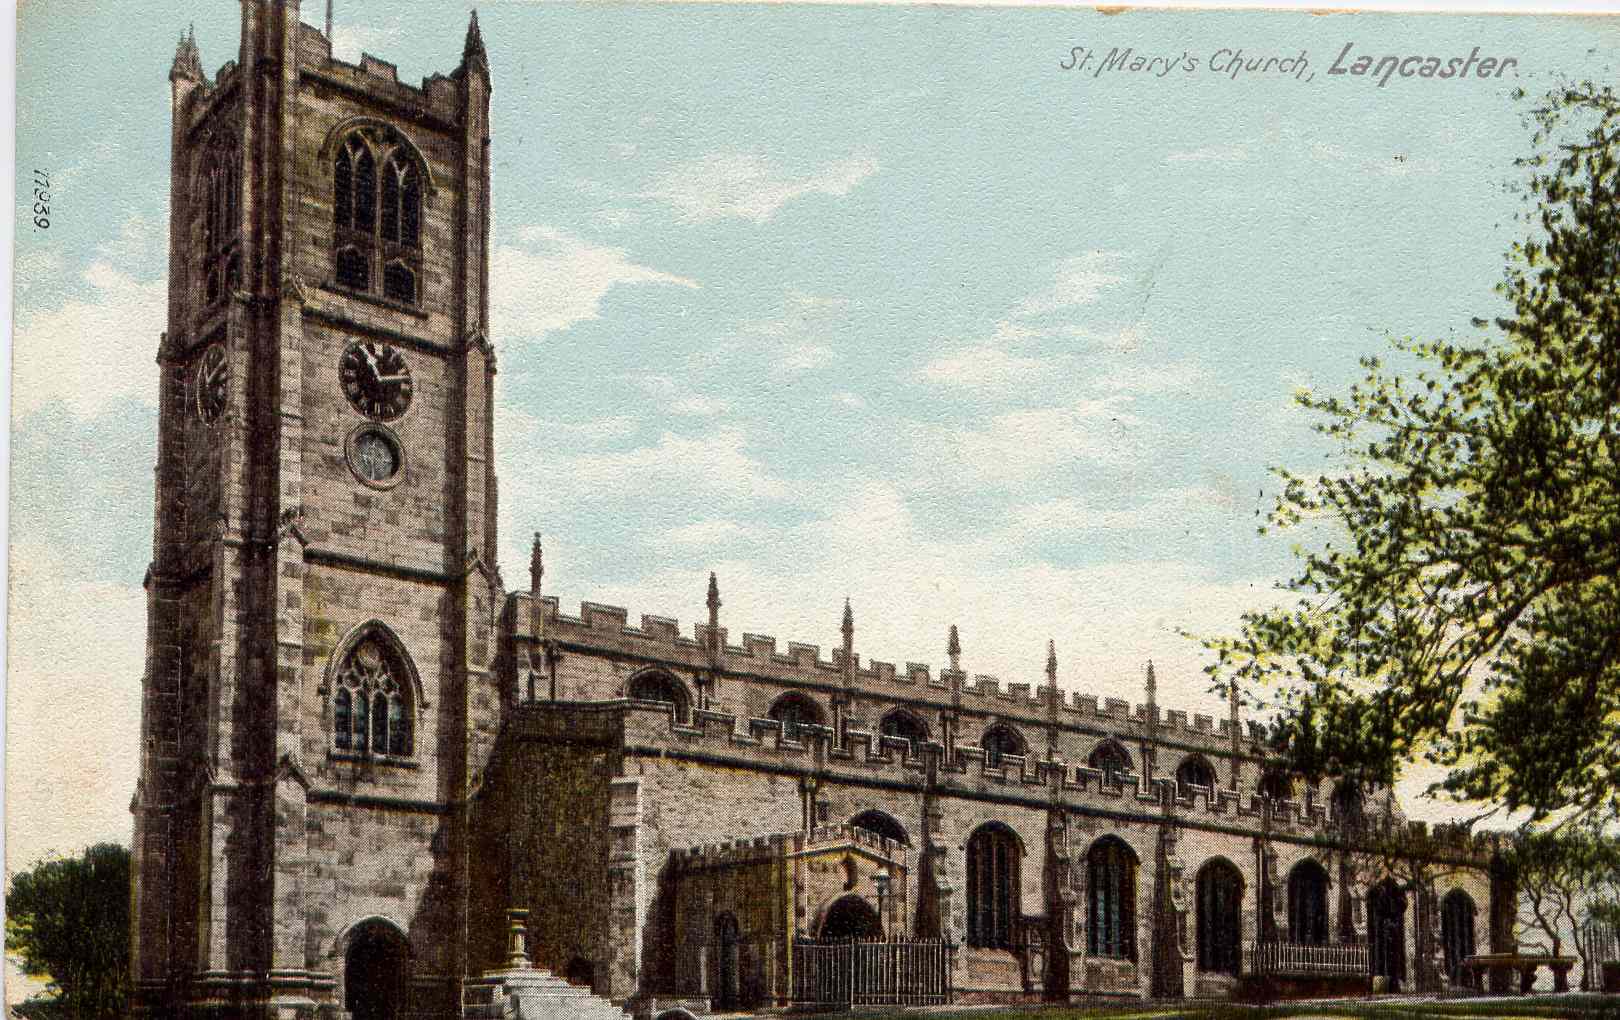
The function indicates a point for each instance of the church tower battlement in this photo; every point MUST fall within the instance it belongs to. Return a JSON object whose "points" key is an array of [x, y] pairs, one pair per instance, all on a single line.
{"points": [[322, 593]]}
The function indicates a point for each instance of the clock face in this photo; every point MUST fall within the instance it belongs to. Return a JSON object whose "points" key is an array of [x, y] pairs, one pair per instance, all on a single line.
{"points": [[375, 379], [209, 386]]}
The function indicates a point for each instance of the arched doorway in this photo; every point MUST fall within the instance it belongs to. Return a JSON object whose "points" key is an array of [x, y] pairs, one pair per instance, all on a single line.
{"points": [[1457, 931], [883, 824], [1386, 933], [1307, 904], [727, 983], [374, 972], [851, 918], [1220, 915], [994, 862]]}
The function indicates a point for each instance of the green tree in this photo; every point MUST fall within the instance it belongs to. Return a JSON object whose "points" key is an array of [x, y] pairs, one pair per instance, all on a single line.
{"points": [[68, 919], [1457, 598]]}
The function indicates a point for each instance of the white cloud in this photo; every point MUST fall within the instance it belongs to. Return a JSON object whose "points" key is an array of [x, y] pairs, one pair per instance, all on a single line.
{"points": [[749, 186], [90, 352], [985, 368], [1210, 154], [1077, 281], [678, 399], [351, 39], [791, 343], [850, 400], [54, 675], [803, 358], [556, 280], [513, 425], [1028, 443], [674, 474], [705, 533], [1167, 508]]}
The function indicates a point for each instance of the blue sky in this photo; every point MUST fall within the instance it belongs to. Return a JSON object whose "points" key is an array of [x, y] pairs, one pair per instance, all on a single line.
{"points": [[864, 301]]}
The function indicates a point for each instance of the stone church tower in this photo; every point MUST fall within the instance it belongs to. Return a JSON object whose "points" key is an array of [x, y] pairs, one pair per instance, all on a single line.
{"points": [[322, 594]]}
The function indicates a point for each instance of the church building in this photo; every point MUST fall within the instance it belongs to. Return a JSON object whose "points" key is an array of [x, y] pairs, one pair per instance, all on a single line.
{"points": [[360, 749]]}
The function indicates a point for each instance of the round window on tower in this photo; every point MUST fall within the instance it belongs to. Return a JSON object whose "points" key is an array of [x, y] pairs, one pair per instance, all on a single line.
{"points": [[375, 456]]}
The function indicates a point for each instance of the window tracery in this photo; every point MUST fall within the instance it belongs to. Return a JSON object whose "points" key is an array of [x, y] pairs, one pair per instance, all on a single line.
{"points": [[377, 190], [219, 194], [371, 702]]}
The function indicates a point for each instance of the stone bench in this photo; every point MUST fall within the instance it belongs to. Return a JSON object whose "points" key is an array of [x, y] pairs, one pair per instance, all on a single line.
{"points": [[1475, 969]]}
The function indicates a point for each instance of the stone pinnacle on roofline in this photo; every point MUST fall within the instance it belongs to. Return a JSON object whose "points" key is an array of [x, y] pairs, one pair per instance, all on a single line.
{"points": [[953, 648]]}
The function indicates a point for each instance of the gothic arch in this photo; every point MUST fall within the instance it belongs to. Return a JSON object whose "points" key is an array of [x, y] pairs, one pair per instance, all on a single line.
{"points": [[384, 635], [903, 722], [882, 823], [346, 935], [1195, 770], [795, 709], [655, 684], [371, 128], [1110, 758], [1000, 739], [1220, 917], [995, 858], [1308, 903], [1111, 873]]}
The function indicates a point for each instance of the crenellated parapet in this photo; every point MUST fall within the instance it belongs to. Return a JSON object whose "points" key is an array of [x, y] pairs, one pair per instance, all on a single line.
{"points": [[608, 630], [749, 849]]}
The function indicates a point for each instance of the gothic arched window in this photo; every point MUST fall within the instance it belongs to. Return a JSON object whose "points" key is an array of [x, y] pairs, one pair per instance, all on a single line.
{"points": [[219, 193], [999, 741], [1276, 784], [1220, 915], [1111, 760], [994, 861], [377, 188], [883, 824], [1307, 904], [371, 702], [1195, 771], [903, 724], [658, 686], [1111, 895], [795, 711]]}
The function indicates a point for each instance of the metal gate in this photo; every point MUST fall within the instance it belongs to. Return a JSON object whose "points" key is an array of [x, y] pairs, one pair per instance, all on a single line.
{"points": [[876, 972]]}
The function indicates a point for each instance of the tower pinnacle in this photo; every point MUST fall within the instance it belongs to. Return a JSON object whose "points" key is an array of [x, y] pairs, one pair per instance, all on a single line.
{"points": [[187, 59], [472, 53], [953, 648]]}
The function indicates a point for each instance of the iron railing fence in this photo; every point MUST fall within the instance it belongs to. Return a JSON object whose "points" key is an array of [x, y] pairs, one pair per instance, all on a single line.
{"points": [[875, 972], [1292, 958]]}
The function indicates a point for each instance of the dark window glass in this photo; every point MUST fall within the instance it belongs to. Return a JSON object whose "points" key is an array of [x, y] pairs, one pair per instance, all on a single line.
{"points": [[1307, 904], [365, 192], [362, 722], [341, 721], [398, 734], [1220, 906], [1195, 772], [353, 269], [410, 208], [993, 867], [343, 190], [390, 202], [1111, 761], [399, 283], [379, 723], [1457, 931], [1000, 741], [1111, 875]]}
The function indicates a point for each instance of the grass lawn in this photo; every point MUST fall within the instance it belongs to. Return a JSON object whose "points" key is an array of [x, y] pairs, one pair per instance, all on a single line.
{"points": [[1574, 1007]]}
